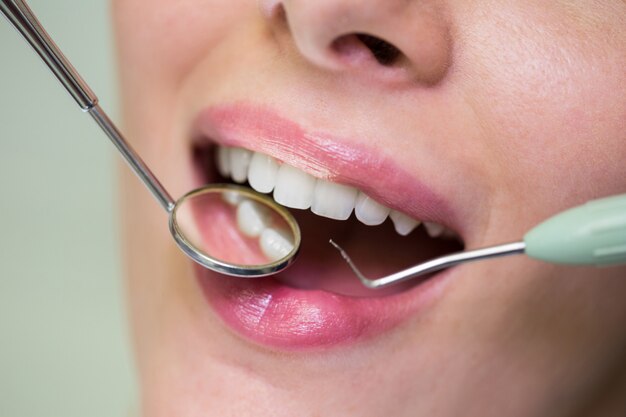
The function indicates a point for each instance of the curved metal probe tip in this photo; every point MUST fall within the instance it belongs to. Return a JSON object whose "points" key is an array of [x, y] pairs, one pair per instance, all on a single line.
{"points": [[364, 280], [434, 265]]}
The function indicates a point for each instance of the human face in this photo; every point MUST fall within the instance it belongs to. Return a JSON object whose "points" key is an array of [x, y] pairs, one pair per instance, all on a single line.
{"points": [[484, 116]]}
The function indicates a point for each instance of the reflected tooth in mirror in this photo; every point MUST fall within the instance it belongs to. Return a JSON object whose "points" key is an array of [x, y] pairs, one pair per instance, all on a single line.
{"points": [[222, 160], [335, 201], [239, 163], [294, 188], [232, 197], [252, 218], [275, 244], [369, 211], [433, 229], [262, 173], [403, 223]]}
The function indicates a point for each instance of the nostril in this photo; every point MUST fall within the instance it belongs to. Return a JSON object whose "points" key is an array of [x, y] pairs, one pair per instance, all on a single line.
{"points": [[385, 53]]}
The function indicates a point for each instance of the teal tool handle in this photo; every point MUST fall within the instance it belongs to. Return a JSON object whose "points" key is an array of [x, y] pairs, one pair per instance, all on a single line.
{"points": [[591, 234]]}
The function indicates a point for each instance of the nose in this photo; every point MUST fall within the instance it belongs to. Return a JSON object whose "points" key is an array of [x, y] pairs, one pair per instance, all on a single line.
{"points": [[368, 35]]}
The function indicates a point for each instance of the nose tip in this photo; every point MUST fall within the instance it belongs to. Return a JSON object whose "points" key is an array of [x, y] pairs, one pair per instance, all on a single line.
{"points": [[367, 37]]}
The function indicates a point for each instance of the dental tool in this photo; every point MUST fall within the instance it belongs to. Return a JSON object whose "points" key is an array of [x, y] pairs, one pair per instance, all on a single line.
{"points": [[214, 244], [590, 234]]}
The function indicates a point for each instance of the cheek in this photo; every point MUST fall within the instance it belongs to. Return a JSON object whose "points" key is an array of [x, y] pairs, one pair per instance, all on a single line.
{"points": [[550, 96], [159, 41]]}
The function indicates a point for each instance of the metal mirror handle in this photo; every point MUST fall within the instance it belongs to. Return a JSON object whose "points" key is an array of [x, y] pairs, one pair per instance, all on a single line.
{"points": [[21, 16]]}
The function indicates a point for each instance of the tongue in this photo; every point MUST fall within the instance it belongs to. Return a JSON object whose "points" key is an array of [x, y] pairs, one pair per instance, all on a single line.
{"points": [[377, 250]]}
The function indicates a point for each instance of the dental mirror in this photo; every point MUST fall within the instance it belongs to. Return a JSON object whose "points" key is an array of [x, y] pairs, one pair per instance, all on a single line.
{"points": [[234, 230], [227, 228]]}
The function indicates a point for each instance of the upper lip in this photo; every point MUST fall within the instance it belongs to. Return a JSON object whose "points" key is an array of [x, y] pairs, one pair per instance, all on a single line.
{"points": [[323, 155]]}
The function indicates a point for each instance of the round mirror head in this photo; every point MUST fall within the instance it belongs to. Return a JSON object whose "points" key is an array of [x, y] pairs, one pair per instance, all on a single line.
{"points": [[235, 231]]}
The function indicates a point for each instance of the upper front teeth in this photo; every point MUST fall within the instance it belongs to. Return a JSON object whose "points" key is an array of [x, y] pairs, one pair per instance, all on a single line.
{"points": [[239, 164], [332, 200], [370, 211], [262, 173], [296, 189]]}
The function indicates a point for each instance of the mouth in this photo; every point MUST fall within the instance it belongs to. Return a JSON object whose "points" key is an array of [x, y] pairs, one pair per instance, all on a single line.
{"points": [[382, 216]]}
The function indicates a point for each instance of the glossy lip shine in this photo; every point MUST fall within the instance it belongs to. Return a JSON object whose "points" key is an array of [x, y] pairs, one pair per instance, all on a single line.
{"points": [[276, 315], [272, 314]]}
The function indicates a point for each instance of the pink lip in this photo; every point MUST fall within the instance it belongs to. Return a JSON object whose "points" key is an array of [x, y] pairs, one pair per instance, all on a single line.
{"points": [[276, 315], [325, 156], [270, 313]]}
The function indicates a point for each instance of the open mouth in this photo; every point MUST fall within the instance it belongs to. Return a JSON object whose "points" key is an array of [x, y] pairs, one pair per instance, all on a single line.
{"points": [[382, 240], [301, 306]]}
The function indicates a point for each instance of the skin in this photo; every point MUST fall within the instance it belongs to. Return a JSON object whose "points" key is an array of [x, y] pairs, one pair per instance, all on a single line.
{"points": [[524, 101]]}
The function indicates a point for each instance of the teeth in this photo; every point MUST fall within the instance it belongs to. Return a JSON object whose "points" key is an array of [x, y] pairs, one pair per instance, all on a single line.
{"points": [[294, 188], [262, 173], [450, 234], [232, 197], [433, 229], [332, 200], [252, 218], [369, 211], [275, 244], [239, 162], [223, 161], [403, 223]]}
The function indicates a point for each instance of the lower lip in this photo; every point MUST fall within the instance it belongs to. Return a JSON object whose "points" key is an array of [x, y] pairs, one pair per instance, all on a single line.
{"points": [[281, 317]]}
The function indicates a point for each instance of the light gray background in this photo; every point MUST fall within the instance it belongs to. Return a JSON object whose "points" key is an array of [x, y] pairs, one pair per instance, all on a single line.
{"points": [[63, 335]]}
